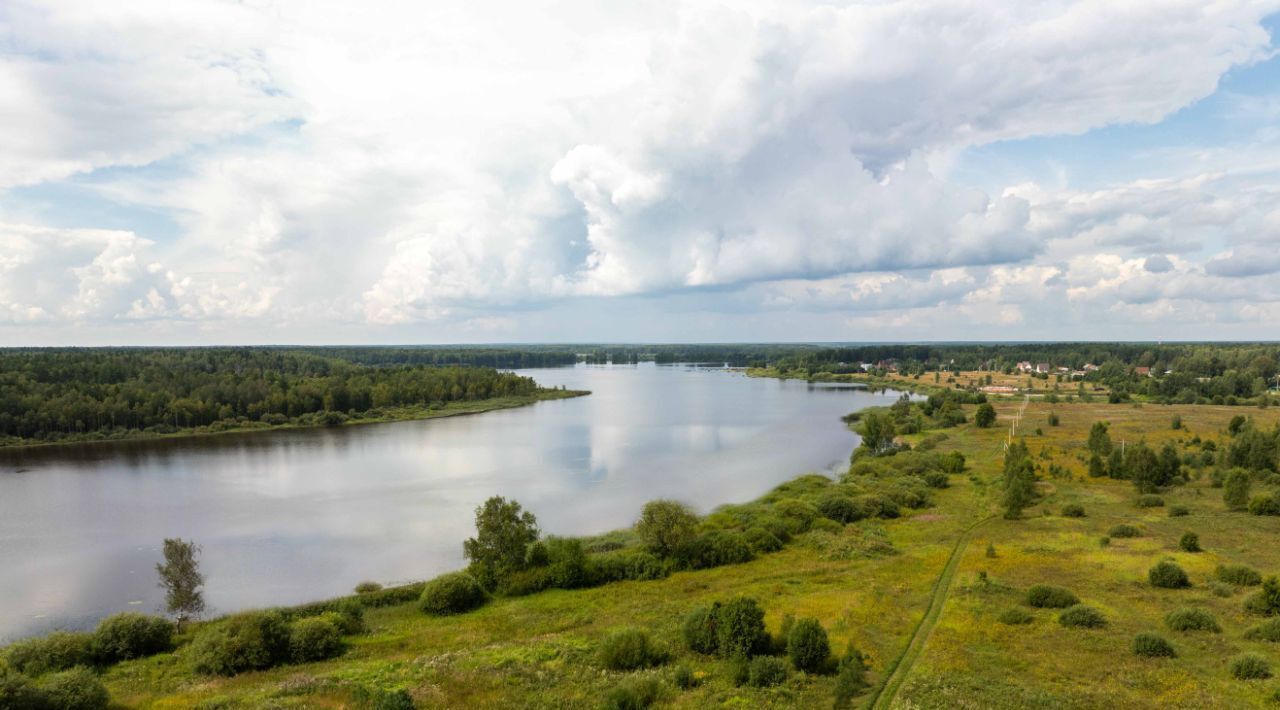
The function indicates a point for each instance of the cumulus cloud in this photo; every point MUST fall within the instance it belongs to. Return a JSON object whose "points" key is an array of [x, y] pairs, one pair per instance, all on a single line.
{"points": [[399, 164]]}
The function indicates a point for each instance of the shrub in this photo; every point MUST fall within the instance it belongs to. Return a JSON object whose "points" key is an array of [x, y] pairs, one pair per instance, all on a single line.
{"points": [[664, 525], [566, 562], [840, 508], [452, 593], [1124, 530], [1239, 575], [1265, 601], [740, 628], [826, 525], [1014, 617], [1045, 596], [1166, 574], [631, 564], [936, 479], [121, 637], [1250, 666], [1178, 511], [761, 541], [716, 548], [880, 507], [1266, 631], [766, 671], [699, 629], [739, 671], [1190, 542], [851, 678], [1152, 646], [629, 650], [17, 691], [633, 694], [775, 525], [244, 642], [1236, 489], [315, 638], [1082, 616], [1189, 619], [1221, 589], [348, 614], [1264, 504], [75, 689], [1150, 501], [56, 651], [683, 678], [808, 646], [367, 587], [525, 582], [797, 514], [1073, 510]]}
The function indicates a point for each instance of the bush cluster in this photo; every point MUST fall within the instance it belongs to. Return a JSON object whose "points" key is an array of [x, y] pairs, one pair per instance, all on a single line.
{"points": [[1264, 504], [452, 593], [1046, 596], [1152, 646], [1189, 542], [1239, 575], [1250, 666], [121, 637], [841, 508], [1073, 510], [1166, 574], [258, 640], [1268, 630], [629, 650], [1189, 619], [1179, 511], [766, 671], [713, 549], [808, 646], [633, 694], [74, 689], [244, 642], [733, 629], [1150, 501], [1124, 530], [56, 651], [1082, 616], [1265, 601], [316, 638]]}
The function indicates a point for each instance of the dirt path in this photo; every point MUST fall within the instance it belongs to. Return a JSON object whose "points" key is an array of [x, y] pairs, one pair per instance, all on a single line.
{"points": [[901, 668]]}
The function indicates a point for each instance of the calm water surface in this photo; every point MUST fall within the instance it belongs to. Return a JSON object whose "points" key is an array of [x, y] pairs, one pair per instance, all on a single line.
{"points": [[291, 516]]}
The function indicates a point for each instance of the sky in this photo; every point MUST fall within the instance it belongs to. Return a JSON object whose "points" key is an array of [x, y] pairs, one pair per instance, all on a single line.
{"points": [[215, 172]]}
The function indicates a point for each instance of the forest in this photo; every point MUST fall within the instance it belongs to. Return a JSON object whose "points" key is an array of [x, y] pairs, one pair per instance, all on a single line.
{"points": [[60, 394]]}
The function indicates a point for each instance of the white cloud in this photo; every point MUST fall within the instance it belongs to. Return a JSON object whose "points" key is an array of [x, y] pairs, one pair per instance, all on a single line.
{"points": [[403, 163]]}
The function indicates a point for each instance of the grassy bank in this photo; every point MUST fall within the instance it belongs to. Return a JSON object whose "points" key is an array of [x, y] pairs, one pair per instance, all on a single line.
{"points": [[390, 414], [921, 596]]}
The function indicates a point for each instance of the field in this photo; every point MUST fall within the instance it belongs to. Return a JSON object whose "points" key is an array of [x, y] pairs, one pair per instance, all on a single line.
{"points": [[541, 650]]}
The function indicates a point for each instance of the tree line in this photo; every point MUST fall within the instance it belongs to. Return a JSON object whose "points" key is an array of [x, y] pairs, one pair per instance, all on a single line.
{"points": [[49, 395]]}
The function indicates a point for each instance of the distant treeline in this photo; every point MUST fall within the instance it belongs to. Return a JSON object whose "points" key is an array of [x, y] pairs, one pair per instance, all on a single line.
{"points": [[55, 394], [1183, 372]]}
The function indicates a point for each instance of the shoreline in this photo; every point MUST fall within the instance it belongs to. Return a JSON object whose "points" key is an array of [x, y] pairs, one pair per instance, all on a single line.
{"points": [[401, 414]]}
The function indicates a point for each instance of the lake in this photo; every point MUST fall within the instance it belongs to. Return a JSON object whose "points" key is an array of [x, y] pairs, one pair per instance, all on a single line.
{"points": [[296, 515]]}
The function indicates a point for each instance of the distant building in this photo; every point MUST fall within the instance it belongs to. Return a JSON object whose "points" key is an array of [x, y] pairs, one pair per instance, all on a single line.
{"points": [[1024, 366], [1089, 367], [1043, 368], [1142, 371]]}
